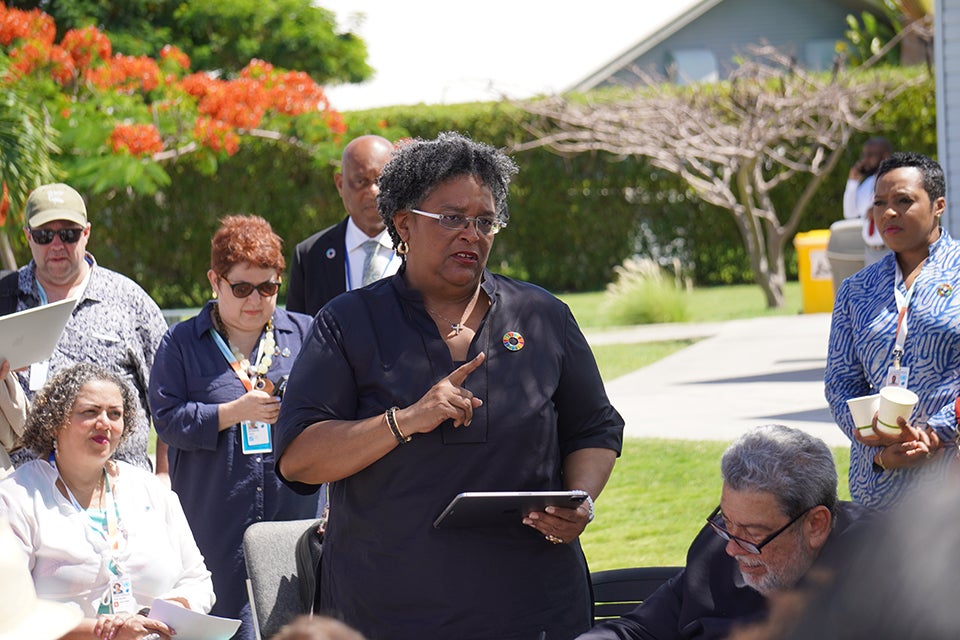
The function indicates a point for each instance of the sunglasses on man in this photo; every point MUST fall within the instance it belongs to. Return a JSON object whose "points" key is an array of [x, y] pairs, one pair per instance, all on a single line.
{"points": [[45, 236]]}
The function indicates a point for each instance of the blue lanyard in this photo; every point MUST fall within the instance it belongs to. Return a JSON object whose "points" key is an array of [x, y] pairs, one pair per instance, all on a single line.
{"points": [[112, 533], [232, 359]]}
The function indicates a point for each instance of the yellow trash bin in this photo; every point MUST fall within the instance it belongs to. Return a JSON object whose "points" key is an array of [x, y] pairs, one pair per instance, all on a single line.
{"points": [[816, 279]]}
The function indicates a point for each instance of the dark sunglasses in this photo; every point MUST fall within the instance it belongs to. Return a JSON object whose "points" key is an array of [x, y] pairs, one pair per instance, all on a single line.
{"points": [[244, 289], [45, 236]]}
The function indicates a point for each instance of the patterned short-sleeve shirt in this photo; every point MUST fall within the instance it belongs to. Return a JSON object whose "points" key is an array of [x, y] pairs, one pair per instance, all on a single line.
{"points": [[116, 325]]}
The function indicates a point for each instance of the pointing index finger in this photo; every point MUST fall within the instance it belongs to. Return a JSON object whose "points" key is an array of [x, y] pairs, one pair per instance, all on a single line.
{"points": [[459, 375]]}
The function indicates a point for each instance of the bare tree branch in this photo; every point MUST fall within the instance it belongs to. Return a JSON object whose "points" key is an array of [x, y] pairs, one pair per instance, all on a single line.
{"points": [[733, 143]]}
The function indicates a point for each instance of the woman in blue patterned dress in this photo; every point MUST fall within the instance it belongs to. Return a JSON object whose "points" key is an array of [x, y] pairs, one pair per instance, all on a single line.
{"points": [[899, 321]]}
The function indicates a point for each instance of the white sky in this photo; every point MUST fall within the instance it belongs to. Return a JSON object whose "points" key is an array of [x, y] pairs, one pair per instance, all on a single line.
{"points": [[449, 51]]}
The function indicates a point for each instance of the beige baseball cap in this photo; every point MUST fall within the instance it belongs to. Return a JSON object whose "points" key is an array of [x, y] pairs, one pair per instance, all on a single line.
{"points": [[55, 202]]}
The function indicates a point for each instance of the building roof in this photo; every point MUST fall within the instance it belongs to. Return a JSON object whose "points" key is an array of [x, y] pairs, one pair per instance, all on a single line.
{"points": [[683, 18]]}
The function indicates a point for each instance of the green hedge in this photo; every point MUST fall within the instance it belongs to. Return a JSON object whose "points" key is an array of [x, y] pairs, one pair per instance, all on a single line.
{"points": [[572, 218]]}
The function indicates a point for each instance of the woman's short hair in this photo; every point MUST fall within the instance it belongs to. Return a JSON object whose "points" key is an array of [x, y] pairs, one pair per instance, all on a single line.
{"points": [[246, 240], [419, 166], [794, 466], [933, 181], [51, 407]]}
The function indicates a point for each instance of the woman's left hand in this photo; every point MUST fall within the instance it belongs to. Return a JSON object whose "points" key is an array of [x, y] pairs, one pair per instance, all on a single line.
{"points": [[558, 524]]}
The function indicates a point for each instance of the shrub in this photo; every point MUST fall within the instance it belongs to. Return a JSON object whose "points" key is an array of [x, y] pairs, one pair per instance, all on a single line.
{"points": [[642, 294]]}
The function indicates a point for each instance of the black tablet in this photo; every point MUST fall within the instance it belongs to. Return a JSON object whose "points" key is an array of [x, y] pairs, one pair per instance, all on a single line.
{"points": [[502, 508]]}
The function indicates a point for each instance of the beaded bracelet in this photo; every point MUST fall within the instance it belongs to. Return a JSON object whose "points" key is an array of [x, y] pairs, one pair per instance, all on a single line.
{"points": [[391, 416]]}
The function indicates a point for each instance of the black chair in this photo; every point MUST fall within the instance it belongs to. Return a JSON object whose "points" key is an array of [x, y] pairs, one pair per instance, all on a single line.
{"points": [[618, 591]]}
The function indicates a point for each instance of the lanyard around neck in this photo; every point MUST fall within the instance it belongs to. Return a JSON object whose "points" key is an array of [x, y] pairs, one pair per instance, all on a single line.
{"points": [[232, 359], [112, 534], [903, 309]]}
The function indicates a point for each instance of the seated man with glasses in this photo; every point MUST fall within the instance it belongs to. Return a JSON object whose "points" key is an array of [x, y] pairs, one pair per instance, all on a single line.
{"points": [[115, 323], [778, 516]]}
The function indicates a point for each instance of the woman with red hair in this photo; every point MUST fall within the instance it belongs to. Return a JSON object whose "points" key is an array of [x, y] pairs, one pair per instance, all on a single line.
{"points": [[215, 392]]}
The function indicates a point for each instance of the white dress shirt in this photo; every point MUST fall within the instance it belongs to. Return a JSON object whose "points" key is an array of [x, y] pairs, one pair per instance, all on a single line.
{"points": [[354, 240]]}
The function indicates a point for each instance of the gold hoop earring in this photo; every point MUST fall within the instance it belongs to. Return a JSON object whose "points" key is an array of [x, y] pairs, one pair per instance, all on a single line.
{"points": [[403, 248]]}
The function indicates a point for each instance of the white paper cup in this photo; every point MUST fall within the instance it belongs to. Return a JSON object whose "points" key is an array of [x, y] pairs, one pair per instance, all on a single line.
{"points": [[895, 402], [863, 409]]}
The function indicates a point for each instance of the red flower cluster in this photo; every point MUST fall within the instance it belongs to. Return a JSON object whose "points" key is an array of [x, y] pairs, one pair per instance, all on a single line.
{"points": [[174, 54], [25, 25], [135, 139], [86, 46], [4, 205], [224, 106], [125, 73], [239, 103], [216, 135]]}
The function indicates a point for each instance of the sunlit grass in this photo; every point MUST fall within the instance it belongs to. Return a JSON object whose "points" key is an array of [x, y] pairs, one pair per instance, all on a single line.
{"points": [[616, 360], [708, 304]]}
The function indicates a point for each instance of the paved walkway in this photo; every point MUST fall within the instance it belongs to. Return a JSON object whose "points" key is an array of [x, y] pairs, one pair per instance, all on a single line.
{"points": [[741, 374]]}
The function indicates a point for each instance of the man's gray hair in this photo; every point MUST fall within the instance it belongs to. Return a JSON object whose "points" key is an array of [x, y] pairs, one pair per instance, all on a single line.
{"points": [[794, 466]]}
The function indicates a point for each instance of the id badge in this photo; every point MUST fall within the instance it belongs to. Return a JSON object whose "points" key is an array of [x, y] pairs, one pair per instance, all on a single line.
{"points": [[38, 374], [897, 377], [121, 596], [256, 437]]}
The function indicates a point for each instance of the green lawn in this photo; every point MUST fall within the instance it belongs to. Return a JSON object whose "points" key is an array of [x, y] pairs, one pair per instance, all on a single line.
{"points": [[616, 360], [661, 490], [708, 304]]}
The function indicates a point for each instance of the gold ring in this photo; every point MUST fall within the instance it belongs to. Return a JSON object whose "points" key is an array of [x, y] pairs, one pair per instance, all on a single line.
{"points": [[553, 539]]}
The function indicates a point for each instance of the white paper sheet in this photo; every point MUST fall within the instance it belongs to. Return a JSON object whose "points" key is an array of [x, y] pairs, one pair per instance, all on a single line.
{"points": [[191, 625]]}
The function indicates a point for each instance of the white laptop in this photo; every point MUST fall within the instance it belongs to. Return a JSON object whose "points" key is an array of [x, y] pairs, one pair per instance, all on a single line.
{"points": [[31, 335]]}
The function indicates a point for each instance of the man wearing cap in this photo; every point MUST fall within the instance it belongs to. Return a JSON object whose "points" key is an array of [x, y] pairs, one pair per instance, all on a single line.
{"points": [[354, 252], [115, 323]]}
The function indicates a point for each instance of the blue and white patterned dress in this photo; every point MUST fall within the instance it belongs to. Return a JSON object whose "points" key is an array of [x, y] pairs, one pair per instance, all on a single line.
{"points": [[862, 334]]}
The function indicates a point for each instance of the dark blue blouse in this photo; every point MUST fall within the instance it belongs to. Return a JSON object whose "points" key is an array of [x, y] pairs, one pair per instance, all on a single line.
{"points": [[222, 490], [385, 569]]}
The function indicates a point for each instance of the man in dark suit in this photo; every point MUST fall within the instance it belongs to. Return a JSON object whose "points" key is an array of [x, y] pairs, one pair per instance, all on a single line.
{"points": [[355, 251]]}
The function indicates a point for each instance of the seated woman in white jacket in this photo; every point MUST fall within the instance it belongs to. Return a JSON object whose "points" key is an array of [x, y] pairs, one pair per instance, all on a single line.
{"points": [[99, 533]]}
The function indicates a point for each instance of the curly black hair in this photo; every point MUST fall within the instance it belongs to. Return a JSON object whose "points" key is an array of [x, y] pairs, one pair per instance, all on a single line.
{"points": [[51, 407], [419, 166]]}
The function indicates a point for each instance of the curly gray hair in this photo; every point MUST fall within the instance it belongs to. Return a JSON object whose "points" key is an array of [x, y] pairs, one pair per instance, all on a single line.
{"points": [[418, 166], [794, 466], [51, 407]]}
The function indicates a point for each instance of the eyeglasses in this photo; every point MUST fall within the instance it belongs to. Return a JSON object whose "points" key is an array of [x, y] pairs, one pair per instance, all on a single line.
{"points": [[485, 226], [746, 545], [266, 288], [45, 236]]}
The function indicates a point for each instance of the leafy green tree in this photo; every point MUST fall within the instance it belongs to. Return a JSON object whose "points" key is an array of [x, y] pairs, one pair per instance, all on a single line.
{"points": [[893, 32], [26, 149], [218, 34]]}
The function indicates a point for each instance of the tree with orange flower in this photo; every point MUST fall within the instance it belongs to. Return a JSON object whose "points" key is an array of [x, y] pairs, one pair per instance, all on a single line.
{"points": [[121, 120]]}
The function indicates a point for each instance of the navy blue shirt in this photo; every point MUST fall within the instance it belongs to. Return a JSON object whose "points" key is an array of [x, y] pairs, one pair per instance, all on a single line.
{"points": [[386, 570], [222, 490]]}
